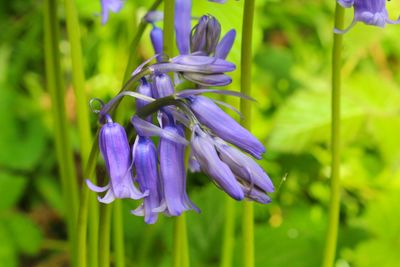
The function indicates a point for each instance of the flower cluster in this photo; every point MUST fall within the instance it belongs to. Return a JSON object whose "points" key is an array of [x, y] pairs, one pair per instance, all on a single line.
{"points": [[371, 12], [186, 122]]}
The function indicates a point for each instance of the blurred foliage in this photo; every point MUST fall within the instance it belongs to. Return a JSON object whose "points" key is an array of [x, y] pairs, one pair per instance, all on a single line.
{"points": [[292, 117]]}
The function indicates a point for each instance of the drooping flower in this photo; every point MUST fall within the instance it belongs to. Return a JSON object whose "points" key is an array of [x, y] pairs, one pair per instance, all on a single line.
{"points": [[224, 126], [109, 5], [115, 149], [203, 149], [371, 12], [173, 173], [145, 161]]}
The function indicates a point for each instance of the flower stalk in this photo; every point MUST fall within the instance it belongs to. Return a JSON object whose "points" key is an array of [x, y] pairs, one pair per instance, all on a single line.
{"points": [[245, 108], [334, 205], [64, 152], [85, 138]]}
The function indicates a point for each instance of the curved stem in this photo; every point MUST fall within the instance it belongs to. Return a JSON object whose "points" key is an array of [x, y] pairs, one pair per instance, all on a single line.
{"points": [[64, 151], [334, 205], [245, 109]]}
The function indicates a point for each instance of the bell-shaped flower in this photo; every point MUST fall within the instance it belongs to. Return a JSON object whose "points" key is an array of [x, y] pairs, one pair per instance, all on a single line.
{"points": [[203, 149], [244, 167], [225, 45], [162, 86], [114, 148], [225, 127], [182, 21], [371, 12], [205, 35], [107, 5], [173, 173], [145, 161], [156, 37]]}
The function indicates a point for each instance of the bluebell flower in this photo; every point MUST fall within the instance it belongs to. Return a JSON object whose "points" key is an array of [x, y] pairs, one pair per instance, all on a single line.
{"points": [[203, 149], [156, 36], [224, 126], [145, 161], [173, 173], [205, 35], [115, 149], [107, 5], [371, 12]]}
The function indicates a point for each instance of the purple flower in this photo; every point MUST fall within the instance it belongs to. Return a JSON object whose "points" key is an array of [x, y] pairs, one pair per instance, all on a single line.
{"points": [[107, 5], [225, 127], [156, 36], [244, 167], [173, 174], [145, 159], [225, 45], [114, 148], [371, 12], [203, 149], [162, 86], [183, 25], [205, 35]]}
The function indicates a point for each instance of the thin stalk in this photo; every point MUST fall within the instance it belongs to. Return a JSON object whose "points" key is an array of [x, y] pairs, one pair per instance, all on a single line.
{"points": [[84, 208], [78, 79], [135, 43], [169, 10], [245, 108], [229, 233], [118, 234], [64, 151], [334, 205], [104, 235]]}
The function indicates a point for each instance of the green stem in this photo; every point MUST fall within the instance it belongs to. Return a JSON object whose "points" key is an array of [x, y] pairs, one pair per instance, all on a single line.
{"points": [[229, 233], [135, 43], [119, 245], [334, 205], [85, 138], [245, 108], [104, 235], [168, 37], [63, 149]]}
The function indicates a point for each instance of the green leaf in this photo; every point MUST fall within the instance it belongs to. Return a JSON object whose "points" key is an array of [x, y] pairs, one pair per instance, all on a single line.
{"points": [[8, 255], [11, 189], [305, 119], [382, 221], [25, 234]]}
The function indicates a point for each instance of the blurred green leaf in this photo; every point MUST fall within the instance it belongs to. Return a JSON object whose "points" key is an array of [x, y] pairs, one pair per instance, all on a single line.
{"points": [[11, 188], [25, 234], [8, 255], [305, 119]]}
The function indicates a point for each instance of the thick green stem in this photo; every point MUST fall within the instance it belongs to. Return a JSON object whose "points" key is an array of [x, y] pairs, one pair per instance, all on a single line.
{"points": [[85, 138], [245, 108], [168, 37], [118, 234], [229, 233], [104, 235], [334, 205], [63, 149]]}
